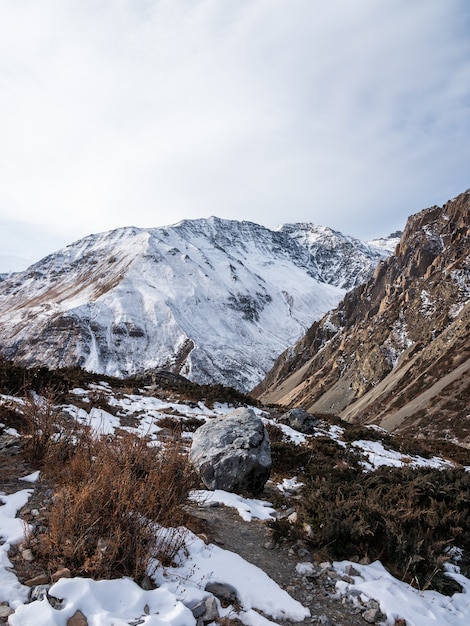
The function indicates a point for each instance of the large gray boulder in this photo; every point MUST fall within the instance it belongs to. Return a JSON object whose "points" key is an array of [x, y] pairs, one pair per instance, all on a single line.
{"points": [[233, 452]]}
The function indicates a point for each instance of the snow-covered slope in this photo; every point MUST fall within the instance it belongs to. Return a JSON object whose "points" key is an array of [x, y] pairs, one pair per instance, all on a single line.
{"points": [[339, 259], [216, 300]]}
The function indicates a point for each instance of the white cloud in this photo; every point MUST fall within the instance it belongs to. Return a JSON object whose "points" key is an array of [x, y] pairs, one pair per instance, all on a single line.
{"points": [[145, 112]]}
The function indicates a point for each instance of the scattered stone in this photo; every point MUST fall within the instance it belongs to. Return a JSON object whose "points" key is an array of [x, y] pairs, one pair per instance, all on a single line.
{"points": [[197, 609], [364, 561], [308, 530], [77, 619], [35, 512], [61, 573], [147, 583], [350, 570], [269, 545], [300, 420], [293, 517], [27, 555], [212, 612], [39, 592], [5, 610], [204, 611], [40, 579], [280, 515], [232, 452], [371, 616], [223, 591]]}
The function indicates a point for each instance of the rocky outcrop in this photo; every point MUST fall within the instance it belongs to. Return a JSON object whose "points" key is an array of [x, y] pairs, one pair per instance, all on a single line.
{"points": [[301, 420], [396, 351], [233, 453]]}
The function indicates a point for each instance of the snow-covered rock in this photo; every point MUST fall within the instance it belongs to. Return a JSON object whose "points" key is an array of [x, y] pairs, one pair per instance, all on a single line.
{"points": [[339, 259]]}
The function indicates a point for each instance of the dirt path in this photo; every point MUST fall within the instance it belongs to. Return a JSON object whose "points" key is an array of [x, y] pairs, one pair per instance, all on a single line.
{"points": [[225, 528]]}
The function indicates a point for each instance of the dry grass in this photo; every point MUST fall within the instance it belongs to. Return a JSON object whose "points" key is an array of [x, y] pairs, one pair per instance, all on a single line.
{"points": [[114, 497]]}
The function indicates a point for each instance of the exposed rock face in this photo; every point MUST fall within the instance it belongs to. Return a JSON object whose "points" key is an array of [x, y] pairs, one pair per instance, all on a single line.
{"points": [[233, 453], [396, 351]]}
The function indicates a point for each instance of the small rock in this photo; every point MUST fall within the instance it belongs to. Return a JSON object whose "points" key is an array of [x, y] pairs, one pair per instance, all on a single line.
{"points": [[226, 593], [39, 592], [364, 561], [27, 555], [308, 530], [373, 604], [371, 616], [77, 619], [280, 515], [269, 545], [61, 573], [198, 609], [211, 612], [348, 580], [147, 584], [350, 570], [5, 610], [304, 554], [35, 512], [40, 579], [293, 517]]}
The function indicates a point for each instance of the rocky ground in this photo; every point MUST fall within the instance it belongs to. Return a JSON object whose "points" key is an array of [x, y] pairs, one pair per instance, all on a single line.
{"points": [[222, 526]]}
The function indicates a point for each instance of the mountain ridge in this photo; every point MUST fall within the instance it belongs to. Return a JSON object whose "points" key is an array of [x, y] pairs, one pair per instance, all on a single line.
{"points": [[215, 300]]}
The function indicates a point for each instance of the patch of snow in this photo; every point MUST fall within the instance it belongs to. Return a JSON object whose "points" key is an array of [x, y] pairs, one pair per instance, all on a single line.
{"points": [[12, 530], [290, 485], [32, 478], [248, 508], [209, 563], [377, 456], [398, 600]]}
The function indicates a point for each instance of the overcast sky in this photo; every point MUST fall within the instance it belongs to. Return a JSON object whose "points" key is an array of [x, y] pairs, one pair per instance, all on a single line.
{"points": [[350, 114]]}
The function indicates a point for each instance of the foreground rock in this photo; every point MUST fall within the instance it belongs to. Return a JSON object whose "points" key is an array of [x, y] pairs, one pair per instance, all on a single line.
{"points": [[233, 452]]}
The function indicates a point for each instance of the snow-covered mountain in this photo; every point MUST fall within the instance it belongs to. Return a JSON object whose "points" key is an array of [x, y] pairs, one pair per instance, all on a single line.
{"points": [[212, 299], [339, 259]]}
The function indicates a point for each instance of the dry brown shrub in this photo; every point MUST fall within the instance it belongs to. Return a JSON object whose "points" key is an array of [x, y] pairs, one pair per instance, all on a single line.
{"points": [[41, 425], [116, 498]]}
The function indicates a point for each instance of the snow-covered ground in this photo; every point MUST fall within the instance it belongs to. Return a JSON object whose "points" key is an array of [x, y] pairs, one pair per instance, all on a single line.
{"points": [[123, 602]]}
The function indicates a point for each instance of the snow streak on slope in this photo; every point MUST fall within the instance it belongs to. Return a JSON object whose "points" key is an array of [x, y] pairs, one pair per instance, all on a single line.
{"points": [[213, 299]]}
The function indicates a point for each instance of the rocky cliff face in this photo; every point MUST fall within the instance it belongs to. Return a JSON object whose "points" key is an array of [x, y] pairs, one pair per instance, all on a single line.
{"points": [[396, 351]]}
